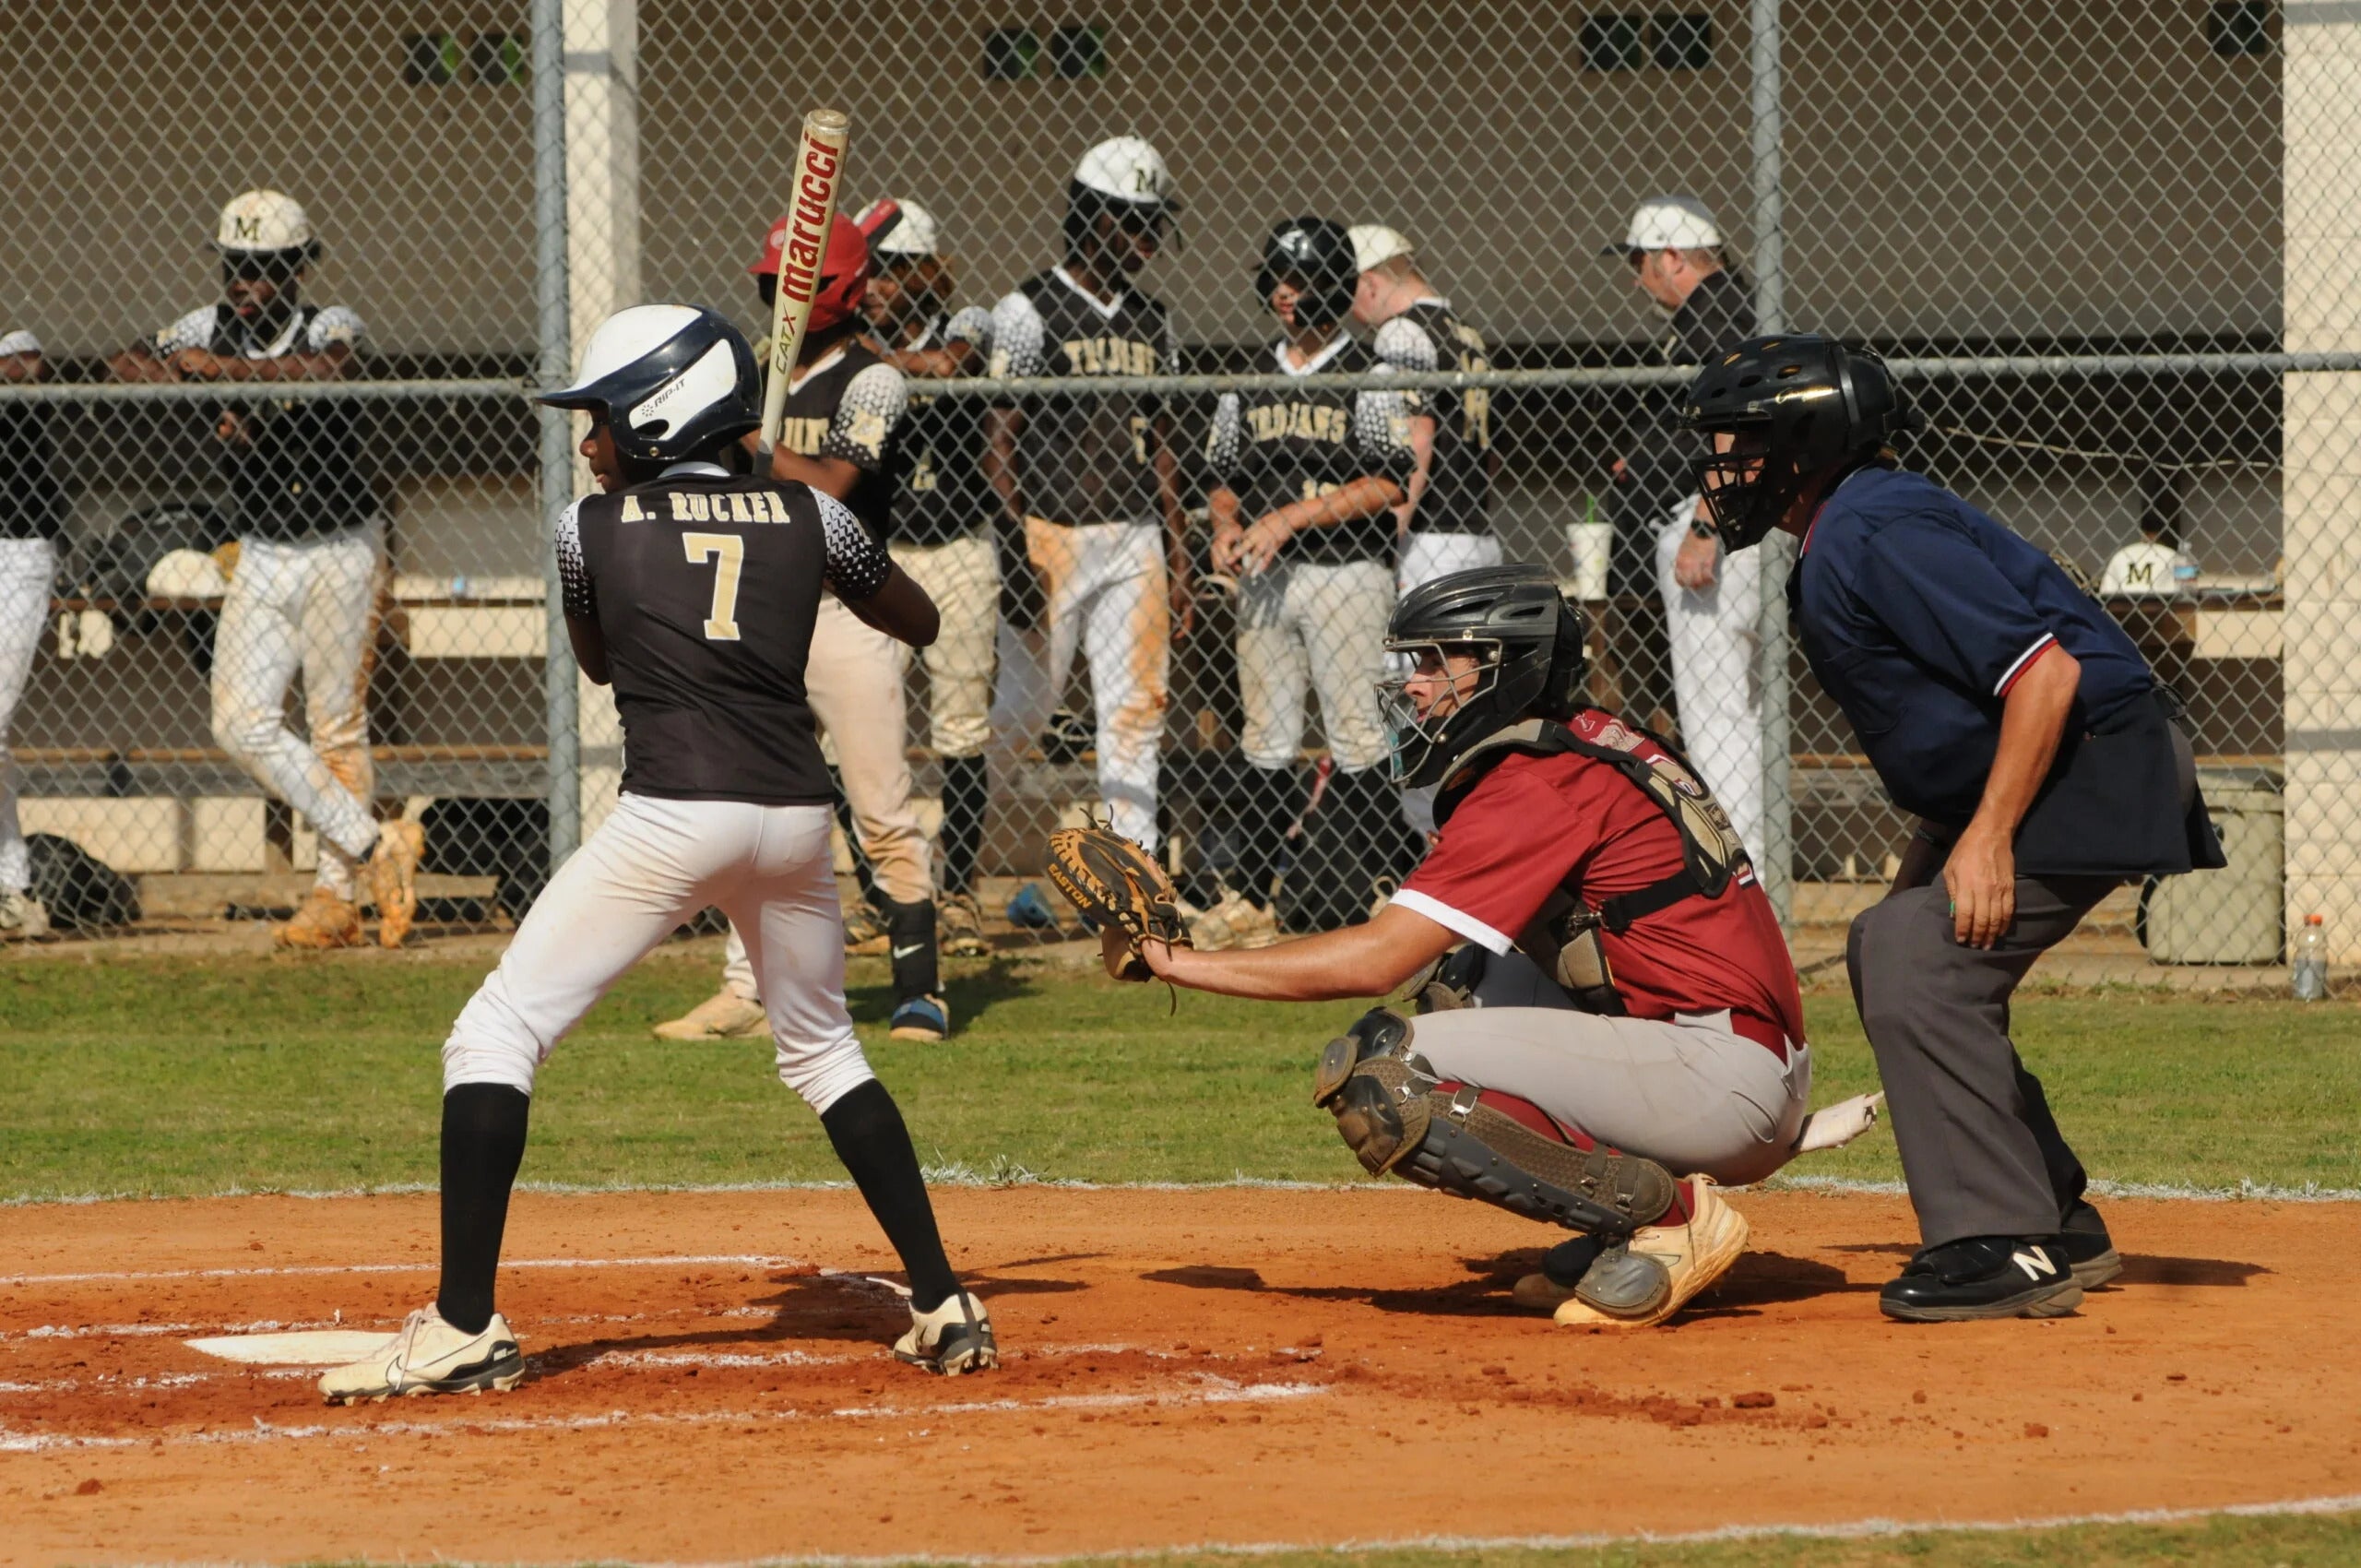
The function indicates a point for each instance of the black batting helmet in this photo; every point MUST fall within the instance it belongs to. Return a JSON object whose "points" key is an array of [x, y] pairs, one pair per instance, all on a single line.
{"points": [[1811, 402], [1532, 652], [1317, 253]]}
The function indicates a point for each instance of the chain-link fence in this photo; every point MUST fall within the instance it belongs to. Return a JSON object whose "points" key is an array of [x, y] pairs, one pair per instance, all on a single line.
{"points": [[2104, 241]]}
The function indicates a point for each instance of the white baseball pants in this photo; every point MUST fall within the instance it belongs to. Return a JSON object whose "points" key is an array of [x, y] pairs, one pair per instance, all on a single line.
{"points": [[652, 864], [1426, 556], [1107, 592], [962, 578], [308, 604], [1302, 628], [28, 567], [1717, 672]]}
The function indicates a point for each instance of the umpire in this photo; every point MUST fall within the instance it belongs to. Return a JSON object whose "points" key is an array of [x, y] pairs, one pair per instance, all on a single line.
{"points": [[2008, 709]]}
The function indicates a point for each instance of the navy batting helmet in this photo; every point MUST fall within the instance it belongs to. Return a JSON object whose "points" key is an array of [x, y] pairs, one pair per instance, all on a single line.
{"points": [[668, 382]]}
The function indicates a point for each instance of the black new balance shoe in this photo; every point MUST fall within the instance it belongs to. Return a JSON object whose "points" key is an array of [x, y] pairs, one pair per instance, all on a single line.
{"points": [[1984, 1277], [2081, 1235]]}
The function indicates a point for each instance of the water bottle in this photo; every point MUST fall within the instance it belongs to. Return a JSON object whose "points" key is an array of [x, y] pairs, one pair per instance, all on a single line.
{"points": [[2310, 974]]}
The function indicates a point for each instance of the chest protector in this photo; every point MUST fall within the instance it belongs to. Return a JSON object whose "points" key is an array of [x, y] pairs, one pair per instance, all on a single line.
{"points": [[1564, 938]]}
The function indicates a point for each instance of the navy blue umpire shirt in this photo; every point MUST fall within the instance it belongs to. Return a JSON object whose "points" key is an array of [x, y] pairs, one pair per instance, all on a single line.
{"points": [[1918, 613]]}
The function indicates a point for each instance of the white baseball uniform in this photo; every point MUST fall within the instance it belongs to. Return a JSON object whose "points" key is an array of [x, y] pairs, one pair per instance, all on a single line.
{"points": [[28, 521], [1717, 672]]}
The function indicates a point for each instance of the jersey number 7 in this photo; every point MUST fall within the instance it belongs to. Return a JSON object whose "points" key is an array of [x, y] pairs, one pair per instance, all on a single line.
{"points": [[728, 551]]}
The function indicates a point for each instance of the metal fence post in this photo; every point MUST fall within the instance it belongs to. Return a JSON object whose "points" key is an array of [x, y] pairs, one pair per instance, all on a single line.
{"points": [[556, 366], [1776, 854]]}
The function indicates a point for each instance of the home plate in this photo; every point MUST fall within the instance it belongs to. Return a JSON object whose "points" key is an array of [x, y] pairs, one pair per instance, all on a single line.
{"points": [[310, 1347]]}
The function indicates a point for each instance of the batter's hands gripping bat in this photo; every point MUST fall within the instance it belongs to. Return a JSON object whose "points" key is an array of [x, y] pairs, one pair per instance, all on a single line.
{"points": [[819, 167]]}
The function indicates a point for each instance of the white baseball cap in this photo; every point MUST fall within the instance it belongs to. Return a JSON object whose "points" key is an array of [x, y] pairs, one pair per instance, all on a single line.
{"points": [[1127, 168], [898, 227], [265, 221], [1374, 244], [1669, 223]]}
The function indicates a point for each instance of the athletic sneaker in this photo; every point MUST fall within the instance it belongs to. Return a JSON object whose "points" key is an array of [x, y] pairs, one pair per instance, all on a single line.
{"points": [[723, 1016], [921, 1017], [959, 926], [1236, 921], [864, 932], [953, 1339], [428, 1356], [392, 875], [22, 916], [322, 920], [1984, 1277], [2083, 1236], [1690, 1257]]}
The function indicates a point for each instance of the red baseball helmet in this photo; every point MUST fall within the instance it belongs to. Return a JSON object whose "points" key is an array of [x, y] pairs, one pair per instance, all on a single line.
{"points": [[844, 271]]}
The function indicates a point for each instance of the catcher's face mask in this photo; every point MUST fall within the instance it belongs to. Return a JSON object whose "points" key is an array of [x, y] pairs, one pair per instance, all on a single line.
{"points": [[1439, 683]]}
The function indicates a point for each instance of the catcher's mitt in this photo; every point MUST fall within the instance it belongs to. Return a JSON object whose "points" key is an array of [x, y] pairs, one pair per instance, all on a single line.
{"points": [[1116, 884]]}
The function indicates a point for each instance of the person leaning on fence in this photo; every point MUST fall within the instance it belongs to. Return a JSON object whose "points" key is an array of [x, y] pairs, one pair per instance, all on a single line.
{"points": [[1446, 519], [304, 591], [842, 437], [941, 529], [2005, 707], [32, 523], [1305, 483], [1712, 602], [1087, 487]]}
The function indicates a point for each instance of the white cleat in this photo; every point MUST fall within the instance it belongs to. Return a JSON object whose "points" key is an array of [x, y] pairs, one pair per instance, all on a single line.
{"points": [[723, 1016], [953, 1339], [428, 1356], [1687, 1258]]}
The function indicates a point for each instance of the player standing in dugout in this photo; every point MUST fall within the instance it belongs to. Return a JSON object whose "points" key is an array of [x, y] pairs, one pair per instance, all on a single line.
{"points": [[1302, 507], [942, 532], [1083, 481], [845, 409], [303, 592], [33, 524], [693, 592]]}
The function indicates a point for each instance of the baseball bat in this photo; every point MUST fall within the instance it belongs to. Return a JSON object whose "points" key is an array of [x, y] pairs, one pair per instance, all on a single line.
{"points": [[819, 166]]}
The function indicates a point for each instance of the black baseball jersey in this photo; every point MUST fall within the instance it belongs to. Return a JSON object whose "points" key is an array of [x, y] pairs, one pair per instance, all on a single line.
{"points": [[1458, 497], [295, 469], [943, 495], [1084, 459], [1661, 470], [850, 405], [33, 504], [704, 586], [1271, 448]]}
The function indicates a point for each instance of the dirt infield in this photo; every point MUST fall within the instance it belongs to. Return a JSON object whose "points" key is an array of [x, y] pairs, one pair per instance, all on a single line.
{"points": [[1238, 1365]]}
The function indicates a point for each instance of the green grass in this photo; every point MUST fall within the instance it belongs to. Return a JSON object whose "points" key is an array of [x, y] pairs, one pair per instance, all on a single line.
{"points": [[179, 1077]]}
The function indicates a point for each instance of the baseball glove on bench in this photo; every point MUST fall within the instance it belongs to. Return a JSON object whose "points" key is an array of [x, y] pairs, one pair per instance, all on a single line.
{"points": [[1118, 884]]}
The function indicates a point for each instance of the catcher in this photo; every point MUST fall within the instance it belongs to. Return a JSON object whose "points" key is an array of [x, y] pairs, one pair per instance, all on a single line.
{"points": [[1606, 1022]]}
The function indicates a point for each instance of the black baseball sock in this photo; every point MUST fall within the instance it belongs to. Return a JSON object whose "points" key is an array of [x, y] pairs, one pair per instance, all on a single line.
{"points": [[1265, 814], [866, 1128], [483, 1142], [966, 794], [909, 930]]}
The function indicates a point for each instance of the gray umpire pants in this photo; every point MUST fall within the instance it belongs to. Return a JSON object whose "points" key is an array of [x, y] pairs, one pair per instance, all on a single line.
{"points": [[1979, 1148], [1685, 1092]]}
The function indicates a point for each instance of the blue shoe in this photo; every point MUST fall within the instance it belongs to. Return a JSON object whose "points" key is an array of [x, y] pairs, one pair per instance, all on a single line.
{"points": [[921, 1017], [1030, 910]]}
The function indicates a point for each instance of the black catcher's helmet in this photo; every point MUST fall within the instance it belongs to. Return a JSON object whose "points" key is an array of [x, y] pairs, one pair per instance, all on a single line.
{"points": [[1532, 653], [1317, 253], [1806, 402]]}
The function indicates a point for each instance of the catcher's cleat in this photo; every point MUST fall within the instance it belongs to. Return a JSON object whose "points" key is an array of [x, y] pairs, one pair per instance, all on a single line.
{"points": [[723, 1016], [865, 934], [392, 873], [428, 1356], [953, 1339], [322, 920], [959, 925], [22, 916], [921, 1017], [1640, 1283], [1236, 921]]}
